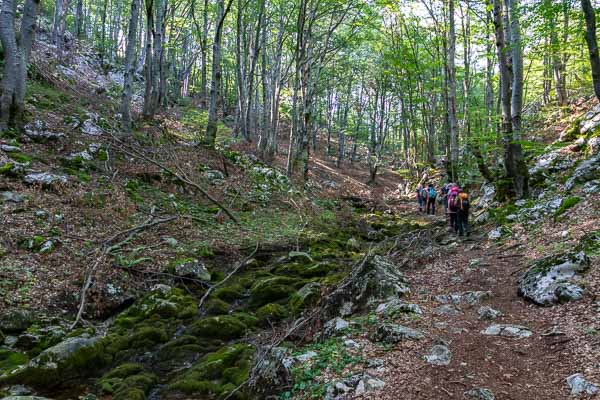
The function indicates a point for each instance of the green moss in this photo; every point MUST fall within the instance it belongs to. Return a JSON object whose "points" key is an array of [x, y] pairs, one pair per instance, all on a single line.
{"points": [[567, 203], [9, 360], [7, 169], [229, 293], [127, 382], [271, 312], [247, 319], [498, 215], [216, 307], [272, 289], [21, 158], [124, 370], [308, 296], [223, 327], [218, 373]]}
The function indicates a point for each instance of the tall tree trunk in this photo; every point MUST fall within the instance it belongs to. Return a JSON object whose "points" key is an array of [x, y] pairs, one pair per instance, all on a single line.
{"points": [[149, 64], [16, 60], [592, 43], [452, 119], [79, 20], [129, 66], [520, 175], [211, 127]]}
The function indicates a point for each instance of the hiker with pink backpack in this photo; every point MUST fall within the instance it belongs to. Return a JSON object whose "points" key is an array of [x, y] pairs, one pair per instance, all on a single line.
{"points": [[453, 207]]}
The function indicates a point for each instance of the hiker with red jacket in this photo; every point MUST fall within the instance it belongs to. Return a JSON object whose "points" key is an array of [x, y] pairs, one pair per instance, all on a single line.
{"points": [[453, 207]]}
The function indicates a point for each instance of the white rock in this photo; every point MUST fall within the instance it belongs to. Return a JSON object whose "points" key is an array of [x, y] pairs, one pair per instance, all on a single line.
{"points": [[579, 385]]}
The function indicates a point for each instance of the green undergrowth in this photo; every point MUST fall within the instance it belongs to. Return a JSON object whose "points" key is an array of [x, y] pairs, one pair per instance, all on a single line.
{"points": [[567, 204], [332, 358]]}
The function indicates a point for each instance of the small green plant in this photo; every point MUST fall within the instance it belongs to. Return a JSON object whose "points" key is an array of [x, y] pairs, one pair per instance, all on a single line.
{"points": [[567, 203]]}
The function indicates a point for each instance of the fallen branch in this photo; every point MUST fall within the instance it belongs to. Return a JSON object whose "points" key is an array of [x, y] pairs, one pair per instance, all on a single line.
{"points": [[105, 249], [233, 272], [129, 150]]}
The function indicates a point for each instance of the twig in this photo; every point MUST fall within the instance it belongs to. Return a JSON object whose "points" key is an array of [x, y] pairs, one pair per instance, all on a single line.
{"points": [[233, 272], [105, 249]]}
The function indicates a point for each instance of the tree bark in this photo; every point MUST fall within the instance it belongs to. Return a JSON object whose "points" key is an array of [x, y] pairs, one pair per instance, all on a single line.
{"points": [[129, 66], [592, 43], [211, 127]]}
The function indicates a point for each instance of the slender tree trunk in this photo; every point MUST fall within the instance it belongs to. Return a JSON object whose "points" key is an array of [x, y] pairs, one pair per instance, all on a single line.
{"points": [[211, 127], [79, 20], [149, 64], [520, 175], [592, 43], [452, 119], [129, 66]]}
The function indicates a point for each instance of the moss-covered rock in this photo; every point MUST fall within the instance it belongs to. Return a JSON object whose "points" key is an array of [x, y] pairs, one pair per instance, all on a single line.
{"points": [[16, 321], [307, 296], [271, 312], [127, 382], [229, 293], [70, 359], [272, 289], [218, 373], [223, 327], [11, 360], [216, 307]]}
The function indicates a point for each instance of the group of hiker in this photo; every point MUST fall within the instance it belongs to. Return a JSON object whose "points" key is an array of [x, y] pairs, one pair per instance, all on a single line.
{"points": [[455, 201]]}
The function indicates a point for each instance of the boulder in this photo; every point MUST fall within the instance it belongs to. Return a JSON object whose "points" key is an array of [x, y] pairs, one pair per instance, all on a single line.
{"points": [[446, 309], [214, 175], [381, 279], [273, 373], [9, 149], [551, 280], [37, 132], [16, 321], [505, 330], [393, 333], [579, 385], [73, 358], [368, 384]]}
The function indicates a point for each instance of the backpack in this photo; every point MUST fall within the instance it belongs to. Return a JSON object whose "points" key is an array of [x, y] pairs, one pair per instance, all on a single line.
{"points": [[423, 193], [452, 201], [464, 206], [432, 193]]}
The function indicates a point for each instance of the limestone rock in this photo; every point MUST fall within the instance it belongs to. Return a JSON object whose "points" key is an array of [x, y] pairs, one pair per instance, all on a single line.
{"points": [[550, 280], [488, 313], [479, 394], [380, 279], [396, 307], [446, 309], [506, 330], [45, 179], [439, 355], [75, 357], [17, 320], [579, 385], [336, 326], [274, 372], [11, 197], [192, 268], [586, 171], [393, 333]]}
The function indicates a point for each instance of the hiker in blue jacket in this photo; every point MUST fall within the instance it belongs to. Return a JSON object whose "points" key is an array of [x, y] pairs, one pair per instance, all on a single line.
{"points": [[431, 198]]}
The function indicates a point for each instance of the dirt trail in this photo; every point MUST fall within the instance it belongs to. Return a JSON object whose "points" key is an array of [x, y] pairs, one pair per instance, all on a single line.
{"points": [[512, 368]]}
